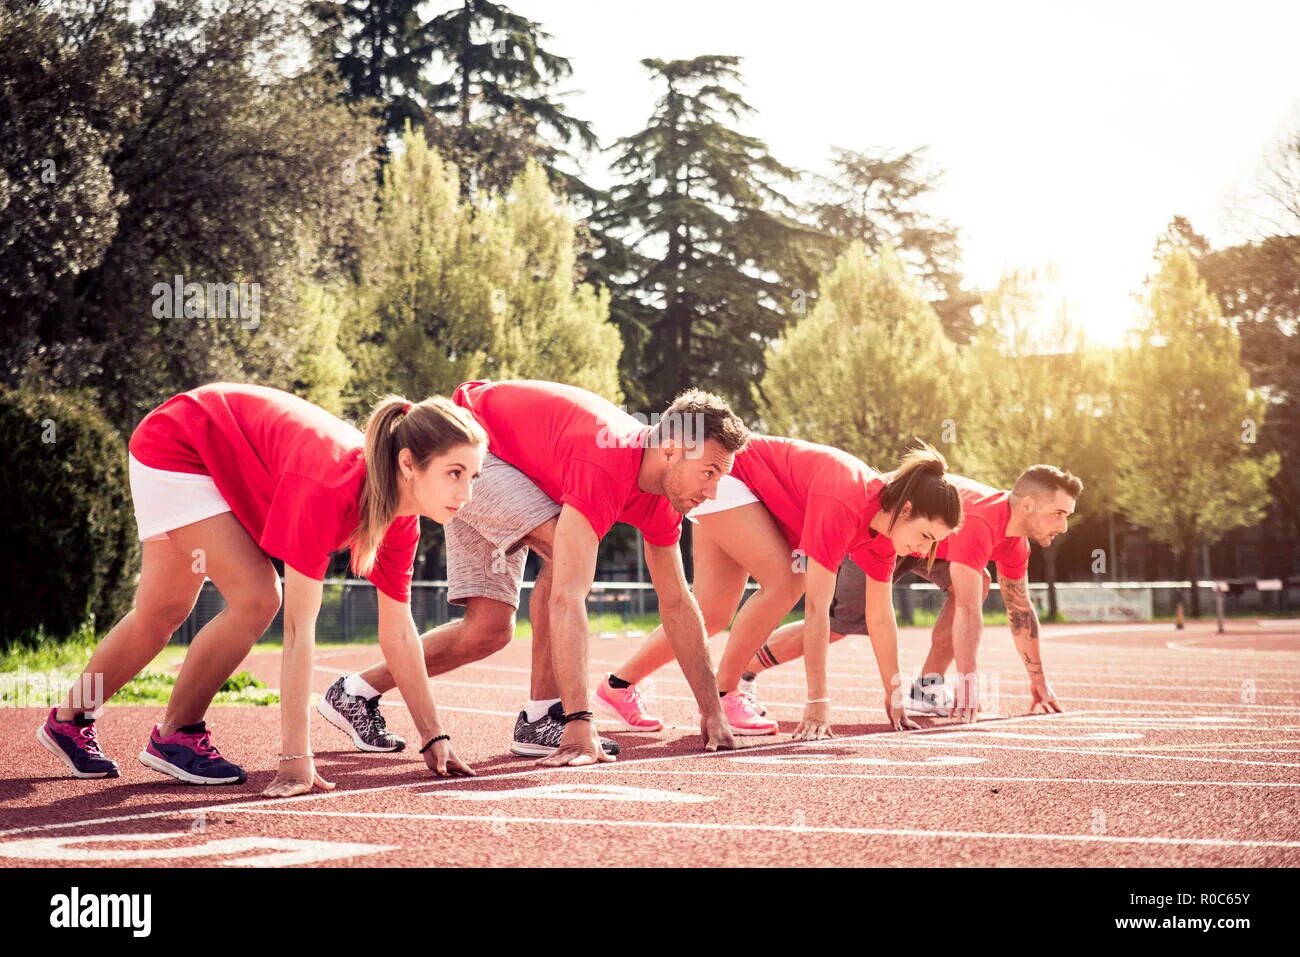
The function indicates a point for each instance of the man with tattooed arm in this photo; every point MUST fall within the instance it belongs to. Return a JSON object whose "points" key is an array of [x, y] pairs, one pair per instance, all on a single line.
{"points": [[997, 528]]}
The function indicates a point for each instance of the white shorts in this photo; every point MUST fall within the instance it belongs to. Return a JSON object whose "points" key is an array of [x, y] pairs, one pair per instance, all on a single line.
{"points": [[732, 493], [167, 500]]}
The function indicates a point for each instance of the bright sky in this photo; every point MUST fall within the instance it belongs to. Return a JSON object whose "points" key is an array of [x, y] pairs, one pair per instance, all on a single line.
{"points": [[1070, 134]]}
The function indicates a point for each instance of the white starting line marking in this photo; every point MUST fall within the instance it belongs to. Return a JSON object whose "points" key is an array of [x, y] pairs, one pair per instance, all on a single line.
{"points": [[578, 792], [496, 820], [943, 760], [285, 852], [987, 778], [1029, 736]]}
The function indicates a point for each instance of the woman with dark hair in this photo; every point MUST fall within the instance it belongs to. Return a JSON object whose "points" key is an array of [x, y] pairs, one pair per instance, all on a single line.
{"points": [[788, 514]]}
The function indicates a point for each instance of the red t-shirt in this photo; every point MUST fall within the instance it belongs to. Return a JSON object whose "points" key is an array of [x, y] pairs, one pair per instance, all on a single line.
{"points": [[580, 449], [983, 535], [291, 473], [823, 500]]}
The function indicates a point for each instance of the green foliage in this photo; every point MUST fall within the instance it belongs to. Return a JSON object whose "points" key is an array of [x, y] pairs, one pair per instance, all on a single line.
{"points": [[195, 148], [868, 369], [71, 554], [1035, 394], [877, 198], [450, 292], [713, 255], [1184, 417]]}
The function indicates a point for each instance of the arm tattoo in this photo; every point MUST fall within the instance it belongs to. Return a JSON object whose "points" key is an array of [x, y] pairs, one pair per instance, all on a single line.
{"points": [[1020, 610]]}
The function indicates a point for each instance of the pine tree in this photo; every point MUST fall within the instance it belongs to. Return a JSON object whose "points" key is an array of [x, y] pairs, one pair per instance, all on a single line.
{"points": [[876, 198], [498, 109], [713, 259]]}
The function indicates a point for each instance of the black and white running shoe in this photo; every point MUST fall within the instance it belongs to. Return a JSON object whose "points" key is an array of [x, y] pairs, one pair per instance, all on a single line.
{"points": [[541, 738], [358, 718]]}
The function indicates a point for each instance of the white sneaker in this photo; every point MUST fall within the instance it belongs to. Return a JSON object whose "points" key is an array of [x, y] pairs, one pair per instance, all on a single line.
{"points": [[748, 688], [929, 696]]}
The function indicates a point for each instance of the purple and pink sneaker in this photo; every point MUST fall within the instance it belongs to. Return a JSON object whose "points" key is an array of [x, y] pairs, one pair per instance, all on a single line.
{"points": [[189, 756], [76, 744]]}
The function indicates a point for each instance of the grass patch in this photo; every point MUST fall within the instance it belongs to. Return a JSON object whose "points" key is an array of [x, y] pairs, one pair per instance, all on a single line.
{"points": [[39, 671]]}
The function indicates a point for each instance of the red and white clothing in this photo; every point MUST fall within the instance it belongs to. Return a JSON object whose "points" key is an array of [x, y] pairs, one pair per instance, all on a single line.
{"points": [[983, 537], [823, 500], [580, 449], [291, 473]]}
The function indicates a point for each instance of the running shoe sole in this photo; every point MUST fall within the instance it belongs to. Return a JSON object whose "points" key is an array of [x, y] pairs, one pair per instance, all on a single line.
{"points": [[54, 749], [156, 763], [331, 714]]}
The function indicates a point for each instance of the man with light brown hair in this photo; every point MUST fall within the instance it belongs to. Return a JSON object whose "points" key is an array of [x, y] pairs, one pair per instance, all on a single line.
{"points": [[997, 527]]}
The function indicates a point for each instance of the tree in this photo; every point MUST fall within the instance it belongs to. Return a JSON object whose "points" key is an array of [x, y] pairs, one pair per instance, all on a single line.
{"points": [[450, 293], [1257, 286], [229, 170], [64, 103], [868, 369], [1185, 421], [1035, 394], [876, 198], [498, 109], [382, 50], [713, 257]]}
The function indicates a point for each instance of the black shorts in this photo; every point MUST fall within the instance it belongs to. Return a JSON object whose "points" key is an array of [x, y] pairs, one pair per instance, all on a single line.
{"points": [[848, 606]]}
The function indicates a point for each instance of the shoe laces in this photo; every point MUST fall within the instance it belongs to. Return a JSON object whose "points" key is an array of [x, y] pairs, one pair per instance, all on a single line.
{"points": [[88, 739], [203, 744], [376, 718], [634, 697], [745, 701]]}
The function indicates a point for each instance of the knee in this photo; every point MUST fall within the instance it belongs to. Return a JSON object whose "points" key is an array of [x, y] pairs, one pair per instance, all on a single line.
{"points": [[259, 603], [487, 636], [715, 620], [160, 620]]}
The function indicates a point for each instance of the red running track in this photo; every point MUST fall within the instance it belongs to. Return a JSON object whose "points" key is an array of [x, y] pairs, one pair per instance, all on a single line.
{"points": [[1177, 749]]}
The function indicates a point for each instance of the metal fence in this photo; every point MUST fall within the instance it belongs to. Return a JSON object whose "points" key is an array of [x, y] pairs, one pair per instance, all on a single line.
{"points": [[349, 611]]}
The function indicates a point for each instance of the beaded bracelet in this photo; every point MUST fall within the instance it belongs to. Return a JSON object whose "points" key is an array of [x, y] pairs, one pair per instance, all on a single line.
{"points": [[296, 757], [432, 741]]}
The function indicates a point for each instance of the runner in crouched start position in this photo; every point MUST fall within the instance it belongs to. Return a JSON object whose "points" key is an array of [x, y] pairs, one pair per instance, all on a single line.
{"points": [[226, 477], [564, 465]]}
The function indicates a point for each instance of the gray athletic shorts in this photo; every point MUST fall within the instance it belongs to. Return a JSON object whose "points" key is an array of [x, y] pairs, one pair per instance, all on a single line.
{"points": [[848, 607], [485, 549]]}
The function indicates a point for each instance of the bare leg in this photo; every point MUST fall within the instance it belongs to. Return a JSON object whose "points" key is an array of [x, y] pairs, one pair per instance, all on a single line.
{"points": [[719, 585], [750, 534], [786, 644], [248, 582], [941, 653], [542, 685], [163, 600], [487, 627]]}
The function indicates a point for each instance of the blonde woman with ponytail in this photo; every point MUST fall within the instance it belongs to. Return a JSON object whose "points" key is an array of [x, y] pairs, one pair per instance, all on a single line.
{"points": [[224, 479], [787, 515]]}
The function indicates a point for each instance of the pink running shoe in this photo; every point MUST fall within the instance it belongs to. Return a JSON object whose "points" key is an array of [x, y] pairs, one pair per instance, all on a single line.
{"points": [[626, 706], [743, 717]]}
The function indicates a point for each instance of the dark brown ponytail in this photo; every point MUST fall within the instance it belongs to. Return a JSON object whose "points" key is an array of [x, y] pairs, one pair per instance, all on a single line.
{"points": [[921, 479]]}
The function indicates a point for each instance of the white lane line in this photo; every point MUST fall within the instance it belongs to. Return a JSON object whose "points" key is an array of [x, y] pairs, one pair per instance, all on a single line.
{"points": [[948, 776], [499, 819], [425, 781], [1102, 752]]}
